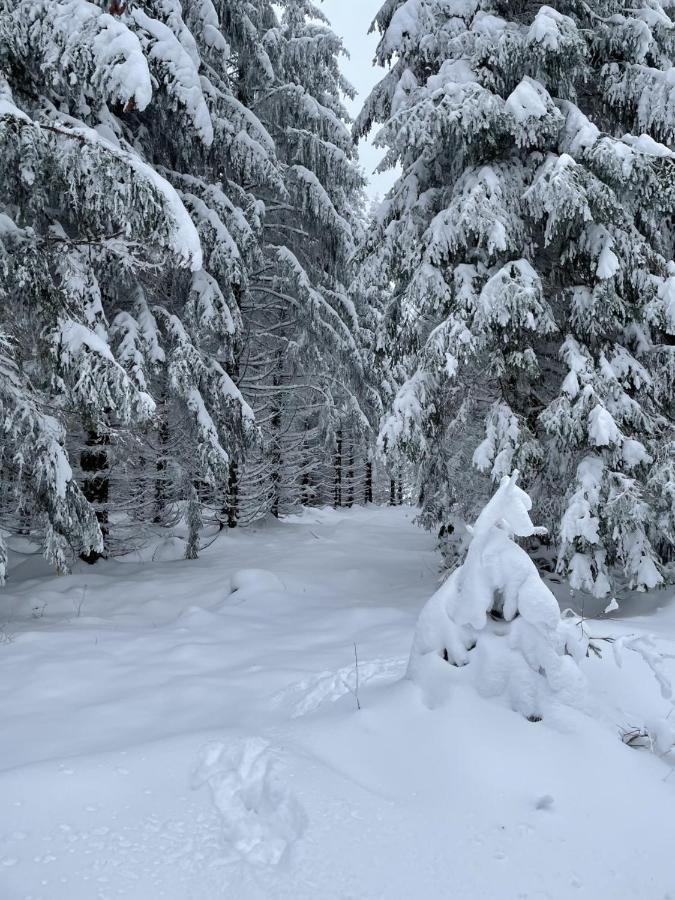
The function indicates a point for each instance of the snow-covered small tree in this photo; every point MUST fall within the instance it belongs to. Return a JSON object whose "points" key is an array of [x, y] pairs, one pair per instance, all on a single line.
{"points": [[36, 479], [494, 624]]}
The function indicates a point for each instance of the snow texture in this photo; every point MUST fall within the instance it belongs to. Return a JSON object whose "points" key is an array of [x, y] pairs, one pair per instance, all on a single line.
{"points": [[164, 737]]}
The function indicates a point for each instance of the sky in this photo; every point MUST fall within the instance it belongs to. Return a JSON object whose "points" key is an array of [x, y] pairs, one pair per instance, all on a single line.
{"points": [[351, 19]]}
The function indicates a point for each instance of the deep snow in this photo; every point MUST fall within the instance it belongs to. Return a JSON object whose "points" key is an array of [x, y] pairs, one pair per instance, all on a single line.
{"points": [[189, 731]]}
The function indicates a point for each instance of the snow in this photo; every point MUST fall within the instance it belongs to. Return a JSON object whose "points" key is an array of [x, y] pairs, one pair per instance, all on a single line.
{"points": [[406, 85], [528, 101], [546, 28], [643, 143], [579, 521], [580, 133], [60, 473], [73, 336], [8, 109], [213, 37], [407, 408], [120, 66], [514, 295], [608, 263], [403, 22], [602, 429], [189, 731], [487, 25], [119, 53], [7, 225], [634, 453], [183, 70], [495, 453], [667, 297]]}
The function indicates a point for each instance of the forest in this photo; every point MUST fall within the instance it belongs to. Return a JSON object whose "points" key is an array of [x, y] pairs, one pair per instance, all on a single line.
{"points": [[292, 473]]}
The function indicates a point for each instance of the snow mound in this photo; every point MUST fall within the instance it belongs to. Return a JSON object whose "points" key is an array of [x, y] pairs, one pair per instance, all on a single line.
{"points": [[261, 818], [169, 550], [256, 581]]}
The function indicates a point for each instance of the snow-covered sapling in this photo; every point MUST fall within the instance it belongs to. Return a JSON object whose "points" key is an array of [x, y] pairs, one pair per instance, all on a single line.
{"points": [[494, 623]]}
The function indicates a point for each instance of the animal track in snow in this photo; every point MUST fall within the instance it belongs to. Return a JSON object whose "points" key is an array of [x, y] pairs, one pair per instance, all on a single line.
{"points": [[260, 817], [327, 687]]}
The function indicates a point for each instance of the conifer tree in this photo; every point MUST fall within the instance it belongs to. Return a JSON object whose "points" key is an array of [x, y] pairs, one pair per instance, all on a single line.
{"points": [[126, 238], [496, 621], [75, 208], [303, 369], [530, 242]]}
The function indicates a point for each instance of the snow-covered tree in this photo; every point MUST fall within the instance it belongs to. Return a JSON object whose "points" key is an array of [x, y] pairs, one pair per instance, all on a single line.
{"points": [[127, 234], [494, 624], [37, 480], [76, 209], [529, 239], [303, 366]]}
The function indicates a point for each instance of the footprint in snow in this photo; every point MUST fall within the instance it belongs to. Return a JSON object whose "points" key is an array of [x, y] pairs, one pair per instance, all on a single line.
{"points": [[259, 816]]}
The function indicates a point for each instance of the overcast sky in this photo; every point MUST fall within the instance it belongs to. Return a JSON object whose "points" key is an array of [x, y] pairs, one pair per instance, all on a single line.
{"points": [[351, 19]]}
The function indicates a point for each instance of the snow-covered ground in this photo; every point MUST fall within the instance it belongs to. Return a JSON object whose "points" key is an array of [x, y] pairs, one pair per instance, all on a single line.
{"points": [[189, 731]]}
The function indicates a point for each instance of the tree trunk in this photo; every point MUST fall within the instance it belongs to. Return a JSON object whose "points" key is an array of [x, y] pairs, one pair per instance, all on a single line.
{"points": [[94, 463], [275, 453], [232, 509], [350, 476], [306, 490], [368, 495], [194, 523], [337, 494], [160, 471]]}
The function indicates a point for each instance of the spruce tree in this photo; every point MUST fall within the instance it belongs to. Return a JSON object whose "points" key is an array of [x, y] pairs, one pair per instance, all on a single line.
{"points": [[75, 208], [496, 621], [529, 239], [127, 237], [303, 368]]}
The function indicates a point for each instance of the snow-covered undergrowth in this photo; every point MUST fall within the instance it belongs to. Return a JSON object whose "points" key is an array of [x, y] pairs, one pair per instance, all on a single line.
{"points": [[495, 618], [189, 731]]}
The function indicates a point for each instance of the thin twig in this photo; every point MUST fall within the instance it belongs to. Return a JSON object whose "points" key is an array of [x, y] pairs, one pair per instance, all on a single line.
{"points": [[356, 662]]}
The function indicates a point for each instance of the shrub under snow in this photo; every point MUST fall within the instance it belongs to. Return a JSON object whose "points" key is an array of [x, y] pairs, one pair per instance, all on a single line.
{"points": [[494, 624]]}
